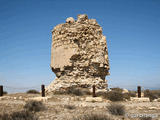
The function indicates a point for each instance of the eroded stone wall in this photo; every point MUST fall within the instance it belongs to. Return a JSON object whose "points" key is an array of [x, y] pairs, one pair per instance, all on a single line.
{"points": [[79, 54]]}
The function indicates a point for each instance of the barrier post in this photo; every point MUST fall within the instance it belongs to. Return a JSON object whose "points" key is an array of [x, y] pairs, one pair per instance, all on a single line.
{"points": [[43, 90], [94, 91], [139, 91], [1, 90]]}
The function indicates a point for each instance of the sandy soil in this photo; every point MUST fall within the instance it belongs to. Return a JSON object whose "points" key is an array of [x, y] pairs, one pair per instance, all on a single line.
{"points": [[56, 110]]}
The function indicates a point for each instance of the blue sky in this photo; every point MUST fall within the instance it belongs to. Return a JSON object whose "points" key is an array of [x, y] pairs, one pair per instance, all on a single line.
{"points": [[132, 28]]}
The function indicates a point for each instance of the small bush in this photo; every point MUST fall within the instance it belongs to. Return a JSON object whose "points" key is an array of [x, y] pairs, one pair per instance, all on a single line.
{"points": [[115, 96], [116, 109], [5, 92], [21, 115], [70, 107], [126, 96], [34, 106], [117, 89], [145, 118], [5, 117], [150, 94], [102, 94], [93, 117], [132, 93], [74, 91], [32, 92]]}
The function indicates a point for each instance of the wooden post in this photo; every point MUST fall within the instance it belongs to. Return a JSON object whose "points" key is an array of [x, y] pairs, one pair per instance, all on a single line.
{"points": [[43, 90], [1, 90], [139, 91], [94, 91]]}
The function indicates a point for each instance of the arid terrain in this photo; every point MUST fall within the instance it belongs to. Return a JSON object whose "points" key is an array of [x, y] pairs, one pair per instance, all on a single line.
{"points": [[70, 107]]}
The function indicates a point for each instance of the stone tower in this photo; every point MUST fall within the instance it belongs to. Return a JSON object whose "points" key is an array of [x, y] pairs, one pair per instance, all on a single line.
{"points": [[79, 55]]}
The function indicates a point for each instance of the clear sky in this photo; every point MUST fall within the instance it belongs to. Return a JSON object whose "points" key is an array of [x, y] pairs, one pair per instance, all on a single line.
{"points": [[132, 28]]}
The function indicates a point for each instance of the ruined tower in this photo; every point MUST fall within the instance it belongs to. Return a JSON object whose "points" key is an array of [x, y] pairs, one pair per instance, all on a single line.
{"points": [[79, 55]]}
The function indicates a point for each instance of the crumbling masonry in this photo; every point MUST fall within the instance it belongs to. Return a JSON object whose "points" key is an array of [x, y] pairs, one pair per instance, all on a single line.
{"points": [[79, 55]]}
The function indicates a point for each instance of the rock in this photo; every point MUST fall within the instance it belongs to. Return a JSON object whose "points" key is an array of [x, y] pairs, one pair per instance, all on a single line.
{"points": [[125, 91], [158, 100], [153, 108], [144, 99], [44, 99], [70, 20], [94, 99], [79, 55]]}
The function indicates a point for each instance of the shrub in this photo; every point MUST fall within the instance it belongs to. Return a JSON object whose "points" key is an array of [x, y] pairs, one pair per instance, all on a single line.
{"points": [[145, 118], [116, 109], [115, 96], [70, 107], [102, 94], [93, 117], [32, 92], [132, 93], [117, 89], [34, 106], [5, 92], [126, 96], [5, 117], [74, 91], [21, 115], [148, 93]]}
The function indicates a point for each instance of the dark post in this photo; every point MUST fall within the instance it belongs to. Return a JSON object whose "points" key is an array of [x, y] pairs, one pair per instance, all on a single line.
{"points": [[1, 90], [139, 91], [43, 90], [94, 91]]}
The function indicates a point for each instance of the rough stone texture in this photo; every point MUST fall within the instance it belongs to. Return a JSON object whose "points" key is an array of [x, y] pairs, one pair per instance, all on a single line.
{"points": [[79, 55]]}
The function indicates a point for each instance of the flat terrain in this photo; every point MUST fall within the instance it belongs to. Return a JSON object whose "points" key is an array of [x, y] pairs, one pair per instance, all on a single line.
{"points": [[56, 107]]}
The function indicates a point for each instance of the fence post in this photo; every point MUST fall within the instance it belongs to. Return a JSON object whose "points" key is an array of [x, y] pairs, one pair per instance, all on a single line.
{"points": [[94, 91], [1, 90], [139, 91], [43, 90]]}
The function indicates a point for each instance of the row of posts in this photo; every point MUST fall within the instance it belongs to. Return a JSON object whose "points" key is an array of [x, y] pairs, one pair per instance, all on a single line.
{"points": [[42, 89], [93, 92]]}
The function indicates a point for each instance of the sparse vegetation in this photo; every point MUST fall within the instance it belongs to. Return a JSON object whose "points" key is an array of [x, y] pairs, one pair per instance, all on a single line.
{"points": [[5, 92], [115, 96], [117, 89], [33, 91], [70, 107], [102, 94], [21, 115], [152, 95], [116, 109], [145, 118], [93, 116], [34, 106], [74, 91], [132, 93], [126, 96]]}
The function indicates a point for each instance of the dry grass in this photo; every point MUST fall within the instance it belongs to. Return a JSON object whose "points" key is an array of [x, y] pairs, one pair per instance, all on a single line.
{"points": [[32, 92], [116, 109], [34, 106], [21, 115], [93, 116]]}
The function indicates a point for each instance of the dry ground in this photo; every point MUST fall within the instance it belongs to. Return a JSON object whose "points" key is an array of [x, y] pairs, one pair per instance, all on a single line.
{"points": [[56, 107]]}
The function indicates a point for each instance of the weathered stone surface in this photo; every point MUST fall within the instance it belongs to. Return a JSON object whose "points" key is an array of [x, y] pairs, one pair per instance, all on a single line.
{"points": [[143, 99], [79, 55], [94, 99]]}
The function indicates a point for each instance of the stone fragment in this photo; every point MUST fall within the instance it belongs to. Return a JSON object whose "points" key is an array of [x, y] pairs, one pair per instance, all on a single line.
{"points": [[94, 99], [125, 91], [70, 20], [144, 99]]}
